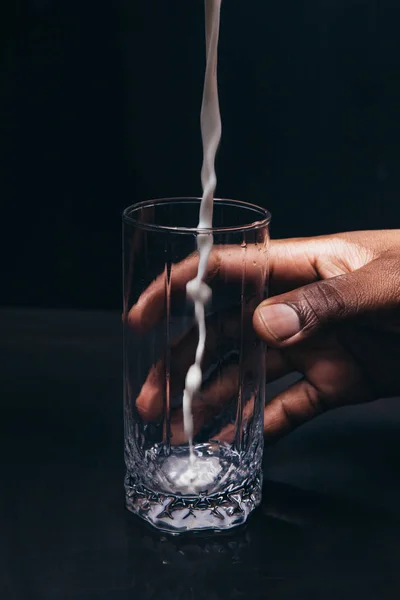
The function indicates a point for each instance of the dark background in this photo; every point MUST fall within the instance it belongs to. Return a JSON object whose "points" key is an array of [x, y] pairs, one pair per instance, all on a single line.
{"points": [[100, 104], [99, 108]]}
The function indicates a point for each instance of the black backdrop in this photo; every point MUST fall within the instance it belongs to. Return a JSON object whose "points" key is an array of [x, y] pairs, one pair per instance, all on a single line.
{"points": [[100, 107]]}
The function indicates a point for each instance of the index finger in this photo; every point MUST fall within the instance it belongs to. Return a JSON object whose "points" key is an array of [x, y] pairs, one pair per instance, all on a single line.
{"points": [[228, 263], [291, 265]]}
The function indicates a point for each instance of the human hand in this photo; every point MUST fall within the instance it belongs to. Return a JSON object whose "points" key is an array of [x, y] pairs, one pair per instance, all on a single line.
{"points": [[344, 290], [340, 329]]}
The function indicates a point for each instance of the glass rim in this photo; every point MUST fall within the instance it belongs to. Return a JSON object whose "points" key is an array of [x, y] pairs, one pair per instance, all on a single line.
{"points": [[265, 216]]}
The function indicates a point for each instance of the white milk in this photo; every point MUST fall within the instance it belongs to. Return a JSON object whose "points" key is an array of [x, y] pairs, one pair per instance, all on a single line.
{"points": [[197, 289]]}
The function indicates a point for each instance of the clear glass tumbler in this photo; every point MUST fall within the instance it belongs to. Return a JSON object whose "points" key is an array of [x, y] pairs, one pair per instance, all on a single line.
{"points": [[160, 339]]}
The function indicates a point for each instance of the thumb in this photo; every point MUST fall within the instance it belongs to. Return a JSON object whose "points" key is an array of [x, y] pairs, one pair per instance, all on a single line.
{"points": [[289, 318]]}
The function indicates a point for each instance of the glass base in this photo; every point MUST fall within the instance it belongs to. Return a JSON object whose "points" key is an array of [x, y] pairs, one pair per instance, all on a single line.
{"points": [[180, 513]]}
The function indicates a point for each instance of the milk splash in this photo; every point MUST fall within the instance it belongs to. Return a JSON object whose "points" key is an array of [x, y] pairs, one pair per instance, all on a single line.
{"points": [[197, 289]]}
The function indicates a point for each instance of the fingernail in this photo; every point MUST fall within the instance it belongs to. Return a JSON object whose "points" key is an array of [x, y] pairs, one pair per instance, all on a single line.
{"points": [[280, 320]]}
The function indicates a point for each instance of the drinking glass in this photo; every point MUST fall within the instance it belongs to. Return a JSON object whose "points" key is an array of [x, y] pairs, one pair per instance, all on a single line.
{"points": [[160, 340]]}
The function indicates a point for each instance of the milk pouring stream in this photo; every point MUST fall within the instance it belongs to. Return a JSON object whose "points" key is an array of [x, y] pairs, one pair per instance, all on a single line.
{"points": [[197, 290]]}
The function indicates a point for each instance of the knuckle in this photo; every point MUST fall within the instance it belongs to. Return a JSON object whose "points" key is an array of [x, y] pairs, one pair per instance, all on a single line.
{"points": [[315, 400], [307, 404], [324, 301]]}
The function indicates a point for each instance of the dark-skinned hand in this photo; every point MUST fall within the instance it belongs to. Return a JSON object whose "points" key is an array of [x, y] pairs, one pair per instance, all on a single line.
{"points": [[333, 316]]}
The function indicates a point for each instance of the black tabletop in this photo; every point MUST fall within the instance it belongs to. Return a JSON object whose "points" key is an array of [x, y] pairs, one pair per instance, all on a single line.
{"points": [[328, 527]]}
